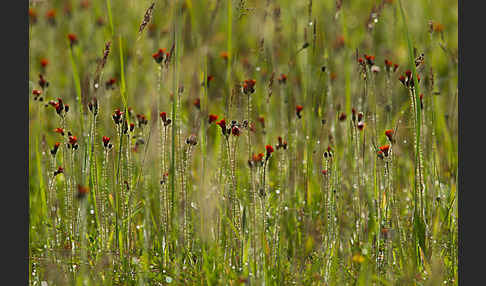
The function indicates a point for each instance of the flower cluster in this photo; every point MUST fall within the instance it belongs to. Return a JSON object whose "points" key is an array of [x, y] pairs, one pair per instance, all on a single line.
{"points": [[407, 79], [249, 86], [165, 120], [61, 108]]}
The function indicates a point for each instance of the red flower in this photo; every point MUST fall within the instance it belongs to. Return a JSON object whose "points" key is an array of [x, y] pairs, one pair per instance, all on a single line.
{"points": [[261, 119], [212, 118], [269, 149], [249, 86], [224, 55], [361, 126], [389, 134], [106, 141], [55, 148], [421, 101], [342, 116], [197, 103], [163, 115], [73, 140], [59, 130], [51, 15], [403, 80], [159, 55], [324, 172], [82, 191], [110, 83], [44, 63], [282, 79], [395, 67], [59, 170], [117, 114], [32, 15], [235, 131], [385, 149], [360, 61], [222, 124], [73, 39], [388, 63], [298, 109], [281, 143], [370, 60], [36, 92]]}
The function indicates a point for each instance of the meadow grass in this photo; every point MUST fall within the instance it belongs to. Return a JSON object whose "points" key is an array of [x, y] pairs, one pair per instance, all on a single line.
{"points": [[210, 142]]}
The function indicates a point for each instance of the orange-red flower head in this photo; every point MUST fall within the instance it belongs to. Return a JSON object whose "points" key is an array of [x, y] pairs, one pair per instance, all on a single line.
{"points": [[298, 109], [389, 134], [212, 118], [385, 149]]}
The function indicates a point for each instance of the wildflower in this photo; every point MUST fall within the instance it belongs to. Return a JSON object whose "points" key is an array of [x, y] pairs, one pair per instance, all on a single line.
{"points": [[385, 149], [212, 118], [380, 154], [37, 93], [43, 82], [44, 62], [106, 142], [281, 143], [370, 60], [256, 159], [82, 191], [73, 39], [222, 124], [197, 103], [249, 86], [282, 79], [333, 76], [269, 150], [73, 142], [235, 130], [32, 16], [224, 55], [93, 106], [375, 69], [51, 16], [60, 170], [85, 4], [160, 55], [110, 84], [324, 172], [117, 116], [100, 21], [353, 114], [342, 116], [59, 130], [298, 109], [328, 153], [132, 127], [389, 134], [164, 118], [208, 80], [59, 106], [142, 120], [361, 126], [261, 119], [192, 140], [395, 67], [55, 148]]}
